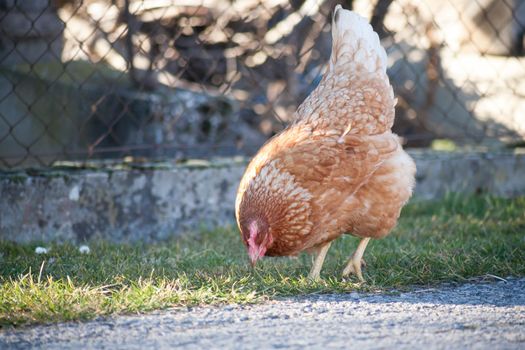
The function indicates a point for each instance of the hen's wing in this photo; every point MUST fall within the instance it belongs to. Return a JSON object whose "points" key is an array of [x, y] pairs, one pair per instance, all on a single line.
{"points": [[345, 165], [333, 172]]}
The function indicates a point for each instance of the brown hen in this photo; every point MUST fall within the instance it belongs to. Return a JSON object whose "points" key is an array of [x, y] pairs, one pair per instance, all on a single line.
{"points": [[337, 168]]}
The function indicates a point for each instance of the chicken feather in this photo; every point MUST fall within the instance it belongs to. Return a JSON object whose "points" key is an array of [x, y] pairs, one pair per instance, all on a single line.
{"points": [[337, 168]]}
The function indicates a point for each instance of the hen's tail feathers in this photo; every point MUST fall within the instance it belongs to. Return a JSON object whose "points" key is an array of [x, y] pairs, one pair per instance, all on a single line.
{"points": [[354, 42]]}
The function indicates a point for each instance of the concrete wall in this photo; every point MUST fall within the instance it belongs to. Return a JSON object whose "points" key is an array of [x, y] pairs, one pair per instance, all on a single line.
{"points": [[153, 203]]}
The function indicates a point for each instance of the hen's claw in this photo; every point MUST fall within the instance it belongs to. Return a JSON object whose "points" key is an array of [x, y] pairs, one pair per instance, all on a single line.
{"points": [[354, 267]]}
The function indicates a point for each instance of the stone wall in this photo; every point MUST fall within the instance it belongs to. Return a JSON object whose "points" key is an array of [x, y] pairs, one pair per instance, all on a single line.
{"points": [[155, 202]]}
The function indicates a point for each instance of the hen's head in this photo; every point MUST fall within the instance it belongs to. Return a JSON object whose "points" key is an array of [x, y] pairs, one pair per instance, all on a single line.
{"points": [[257, 237]]}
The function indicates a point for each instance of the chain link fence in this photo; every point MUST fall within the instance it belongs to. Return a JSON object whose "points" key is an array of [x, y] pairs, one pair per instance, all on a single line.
{"points": [[146, 80]]}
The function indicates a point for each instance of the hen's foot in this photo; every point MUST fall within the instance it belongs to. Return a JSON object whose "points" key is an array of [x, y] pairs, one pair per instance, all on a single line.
{"points": [[356, 261], [354, 267]]}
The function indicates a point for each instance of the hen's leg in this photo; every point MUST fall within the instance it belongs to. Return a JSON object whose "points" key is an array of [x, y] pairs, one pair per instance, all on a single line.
{"points": [[354, 264], [320, 254]]}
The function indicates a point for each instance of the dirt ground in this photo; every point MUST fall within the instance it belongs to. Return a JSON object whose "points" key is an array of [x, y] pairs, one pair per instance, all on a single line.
{"points": [[476, 315]]}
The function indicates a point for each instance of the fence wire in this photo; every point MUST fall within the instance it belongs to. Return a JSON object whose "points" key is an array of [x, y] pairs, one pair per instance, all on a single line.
{"points": [[176, 79]]}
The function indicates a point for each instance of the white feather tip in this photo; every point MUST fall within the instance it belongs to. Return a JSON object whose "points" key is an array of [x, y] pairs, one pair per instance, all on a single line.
{"points": [[352, 33]]}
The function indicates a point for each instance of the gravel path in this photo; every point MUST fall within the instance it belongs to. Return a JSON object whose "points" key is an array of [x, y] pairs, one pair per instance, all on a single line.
{"points": [[481, 316]]}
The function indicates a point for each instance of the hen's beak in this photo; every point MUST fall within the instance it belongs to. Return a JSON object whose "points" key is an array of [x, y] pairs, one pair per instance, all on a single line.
{"points": [[255, 254]]}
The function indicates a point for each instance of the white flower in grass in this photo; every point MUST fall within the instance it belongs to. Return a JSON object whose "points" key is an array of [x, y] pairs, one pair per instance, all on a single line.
{"points": [[84, 249], [41, 250]]}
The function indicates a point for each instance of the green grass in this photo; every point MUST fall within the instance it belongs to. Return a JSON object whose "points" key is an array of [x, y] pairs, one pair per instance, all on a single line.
{"points": [[453, 240]]}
